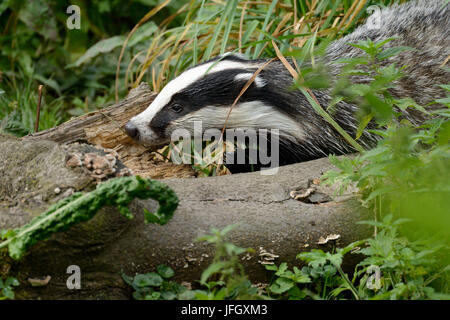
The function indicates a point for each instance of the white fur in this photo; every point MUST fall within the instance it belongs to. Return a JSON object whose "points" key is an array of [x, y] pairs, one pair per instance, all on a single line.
{"points": [[142, 120], [259, 82], [247, 115]]}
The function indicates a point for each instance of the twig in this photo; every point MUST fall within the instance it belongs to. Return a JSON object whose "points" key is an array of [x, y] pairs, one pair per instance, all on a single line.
{"points": [[38, 112]]}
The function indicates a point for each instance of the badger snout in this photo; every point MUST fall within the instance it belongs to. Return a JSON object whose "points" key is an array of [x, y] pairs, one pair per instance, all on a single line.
{"points": [[132, 130], [140, 131]]}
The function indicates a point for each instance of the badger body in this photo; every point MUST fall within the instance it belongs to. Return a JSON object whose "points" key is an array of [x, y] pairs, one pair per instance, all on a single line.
{"points": [[206, 92]]}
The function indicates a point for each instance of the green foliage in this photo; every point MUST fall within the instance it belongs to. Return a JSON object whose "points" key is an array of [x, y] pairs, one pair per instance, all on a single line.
{"points": [[6, 288], [155, 285], [81, 207], [373, 99], [78, 67], [18, 101], [225, 277], [409, 269], [404, 177], [320, 279]]}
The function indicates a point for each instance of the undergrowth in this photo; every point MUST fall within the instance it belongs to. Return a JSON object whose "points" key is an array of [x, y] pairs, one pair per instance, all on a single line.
{"points": [[392, 268]]}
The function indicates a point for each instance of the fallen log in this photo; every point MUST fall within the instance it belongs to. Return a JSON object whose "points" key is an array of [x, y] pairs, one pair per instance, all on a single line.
{"points": [[102, 127], [34, 174]]}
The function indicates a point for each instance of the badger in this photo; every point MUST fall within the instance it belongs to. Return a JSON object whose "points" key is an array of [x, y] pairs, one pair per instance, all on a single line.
{"points": [[205, 92]]}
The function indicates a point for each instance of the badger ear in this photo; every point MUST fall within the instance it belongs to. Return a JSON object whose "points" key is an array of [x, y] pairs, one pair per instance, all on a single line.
{"points": [[259, 81], [233, 56]]}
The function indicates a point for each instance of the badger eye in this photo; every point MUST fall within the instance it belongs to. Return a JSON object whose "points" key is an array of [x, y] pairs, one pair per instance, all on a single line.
{"points": [[176, 108]]}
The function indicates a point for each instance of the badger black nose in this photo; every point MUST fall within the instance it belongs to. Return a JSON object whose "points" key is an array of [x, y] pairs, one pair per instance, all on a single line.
{"points": [[131, 130]]}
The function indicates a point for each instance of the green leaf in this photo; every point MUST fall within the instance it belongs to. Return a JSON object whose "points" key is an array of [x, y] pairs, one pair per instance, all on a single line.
{"points": [[383, 42], [445, 101], [12, 282], [281, 285], [282, 269], [250, 28], [151, 279], [315, 257], [382, 111], [39, 17], [300, 276], [212, 269], [296, 294], [271, 267], [390, 52], [268, 17], [335, 259], [168, 295], [128, 280], [165, 271], [405, 103], [153, 296], [49, 83], [103, 46], [144, 32], [8, 293], [187, 295], [445, 86], [3, 6], [362, 125]]}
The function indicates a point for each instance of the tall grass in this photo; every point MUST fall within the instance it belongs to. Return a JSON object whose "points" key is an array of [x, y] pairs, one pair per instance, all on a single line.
{"points": [[18, 104], [212, 27]]}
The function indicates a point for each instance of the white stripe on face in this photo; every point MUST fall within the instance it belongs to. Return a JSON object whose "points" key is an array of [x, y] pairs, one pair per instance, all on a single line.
{"points": [[142, 120], [246, 115]]}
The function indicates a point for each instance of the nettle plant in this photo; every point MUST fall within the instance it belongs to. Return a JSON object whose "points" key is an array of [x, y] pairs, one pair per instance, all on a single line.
{"points": [[223, 279], [403, 179], [393, 268]]}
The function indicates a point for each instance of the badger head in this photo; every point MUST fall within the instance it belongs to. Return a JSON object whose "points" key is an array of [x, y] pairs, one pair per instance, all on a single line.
{"points": [[206, 92]]}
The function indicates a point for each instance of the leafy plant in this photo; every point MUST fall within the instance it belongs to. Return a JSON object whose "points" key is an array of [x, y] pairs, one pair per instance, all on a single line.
{"points": [[6, 288], [404, 177], [155, 285], [225, 277], [408, 269], [81, 207], [317, 280], [18, 102]]}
